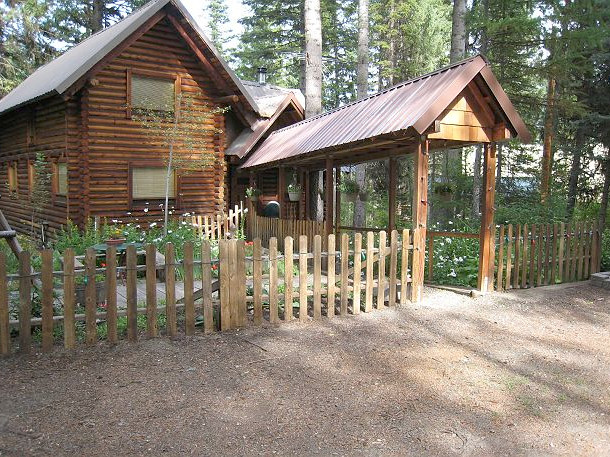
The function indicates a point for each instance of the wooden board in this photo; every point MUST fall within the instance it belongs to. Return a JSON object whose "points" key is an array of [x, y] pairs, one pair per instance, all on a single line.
{"points": [[46, 256]]}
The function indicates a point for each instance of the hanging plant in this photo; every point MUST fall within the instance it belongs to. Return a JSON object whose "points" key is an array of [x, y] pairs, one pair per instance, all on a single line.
{"points": [[294, 192]]}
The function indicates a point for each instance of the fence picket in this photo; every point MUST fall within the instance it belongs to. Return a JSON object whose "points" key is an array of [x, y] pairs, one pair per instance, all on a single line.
{"points": [[357, 273], [90, 298], [317, 277], [225, 303], [170, 290], [303, 278], [273, 301], [331, 276], [47, 299], [568, 253], [151, 290], [257, 281], [581, 242], [206, 287], [132, 294], [560, 258], [69, 297], [189, 302], [554, 255], [509, 253], [381, 278], [517, 257], [587, 250], [25, 303], [288, 277], [499, 277], [547, 251], [368, 300], [344, 273], [539, 259], [240, 287], [5, 331], [393, 266], [404, 266], [524, 256]]}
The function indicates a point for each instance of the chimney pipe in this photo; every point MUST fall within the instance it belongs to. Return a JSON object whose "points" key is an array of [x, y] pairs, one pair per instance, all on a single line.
{"points": [[262, 75]]}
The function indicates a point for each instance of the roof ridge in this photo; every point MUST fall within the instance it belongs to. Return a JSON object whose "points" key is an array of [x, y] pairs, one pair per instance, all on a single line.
{"points": [[386, 90]]}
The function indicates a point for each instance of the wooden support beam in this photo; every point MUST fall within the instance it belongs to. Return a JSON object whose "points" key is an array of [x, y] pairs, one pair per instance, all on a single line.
{"points": [[420, 218], [486, 241], [328, 193], [337, 199], [392, 195], [281, 191]]}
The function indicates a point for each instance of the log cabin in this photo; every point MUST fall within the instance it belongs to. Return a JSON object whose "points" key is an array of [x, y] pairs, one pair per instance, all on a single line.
{"points": [[78, 111]]}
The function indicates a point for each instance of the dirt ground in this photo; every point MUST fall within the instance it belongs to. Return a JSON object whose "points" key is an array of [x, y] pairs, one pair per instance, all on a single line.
{"points": [[520, 373]]}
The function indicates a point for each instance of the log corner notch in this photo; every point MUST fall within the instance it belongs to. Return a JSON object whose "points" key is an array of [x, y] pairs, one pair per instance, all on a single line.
{"points": [[420, 217], [486, 235]]}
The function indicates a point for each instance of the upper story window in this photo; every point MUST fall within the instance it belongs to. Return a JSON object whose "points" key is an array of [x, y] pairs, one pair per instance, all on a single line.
{"points": [[154, 94]]}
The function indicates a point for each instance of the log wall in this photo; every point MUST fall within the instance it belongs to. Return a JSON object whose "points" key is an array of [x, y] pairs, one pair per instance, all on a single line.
{"points": [[40, 128], [115, 140]]}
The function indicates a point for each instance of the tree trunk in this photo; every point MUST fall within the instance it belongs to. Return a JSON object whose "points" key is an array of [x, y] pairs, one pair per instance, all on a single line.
{"points": [[476, 184], [313, 58], [547, 147], [458, 31], [575, 171], [603, 209], [313, 86], [97, 16], [362, 91]]}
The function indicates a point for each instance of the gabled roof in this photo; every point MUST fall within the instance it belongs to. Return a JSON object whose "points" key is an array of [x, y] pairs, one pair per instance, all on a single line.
{"points": [[268, 97], [413, 106], [57, 76], [250, 136]]}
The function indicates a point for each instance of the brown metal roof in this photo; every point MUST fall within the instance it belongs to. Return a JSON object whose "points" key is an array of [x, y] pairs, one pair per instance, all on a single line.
{"points": [[412, 105]]}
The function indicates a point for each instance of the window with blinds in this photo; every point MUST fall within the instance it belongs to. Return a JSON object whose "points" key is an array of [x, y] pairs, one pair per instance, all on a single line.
{"points": [[62, 178], [157, 94], [148, 183], [12, 177]]}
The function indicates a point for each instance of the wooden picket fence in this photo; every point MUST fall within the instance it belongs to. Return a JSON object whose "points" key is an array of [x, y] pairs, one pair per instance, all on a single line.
{"points": [[247, 291], [266, 228], [544, 254], [219, 227]]}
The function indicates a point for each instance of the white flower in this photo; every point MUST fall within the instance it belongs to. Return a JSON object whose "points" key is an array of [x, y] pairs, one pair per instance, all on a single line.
{"points": [[146, 210], [154, 224], [453, 274]]}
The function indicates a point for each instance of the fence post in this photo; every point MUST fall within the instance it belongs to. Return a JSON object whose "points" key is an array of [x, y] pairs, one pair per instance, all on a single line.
{"points": [[47, 299], [368, 297], [25, 302], [344, 272], [69, 328], [381, 278], [5, 331], [393, 266], [189, 303], [417, 278], [206, 287], [331, 277], [288, 277], [170, 290], [357, 273], [303, 278], [151, 290], [90, 298], [404, 266], [273, 302]]}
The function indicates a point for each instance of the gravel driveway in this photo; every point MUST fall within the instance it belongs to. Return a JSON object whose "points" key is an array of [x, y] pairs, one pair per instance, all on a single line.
{"points": [[519, 373]]}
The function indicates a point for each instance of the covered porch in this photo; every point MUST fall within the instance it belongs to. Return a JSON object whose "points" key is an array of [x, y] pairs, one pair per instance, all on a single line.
{"points": [[456, 106]]}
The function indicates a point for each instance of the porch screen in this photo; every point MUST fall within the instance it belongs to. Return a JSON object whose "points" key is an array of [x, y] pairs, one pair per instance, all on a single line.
{"points": [[62, 178], [157, 94], [149, 183]]}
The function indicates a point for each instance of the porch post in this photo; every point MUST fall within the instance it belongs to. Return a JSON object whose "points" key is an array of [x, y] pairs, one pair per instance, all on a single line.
{"points": [[337, 199], [420, 218], [392, 196], [281, 191], [486, 235], [328, 192]]}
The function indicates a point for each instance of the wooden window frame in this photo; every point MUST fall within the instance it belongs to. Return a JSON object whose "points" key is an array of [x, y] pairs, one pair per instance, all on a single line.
{"points": [[153, 74], [57, 197], [135, 204], [31, 176], [12, 177]]}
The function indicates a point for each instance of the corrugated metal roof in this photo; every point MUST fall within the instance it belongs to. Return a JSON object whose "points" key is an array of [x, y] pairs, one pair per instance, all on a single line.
{"points": [[249, 137], [413, 104], [61, 73]]}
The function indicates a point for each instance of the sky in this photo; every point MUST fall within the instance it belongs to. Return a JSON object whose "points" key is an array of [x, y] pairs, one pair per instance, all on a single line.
{"points": [[236, 11]]}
